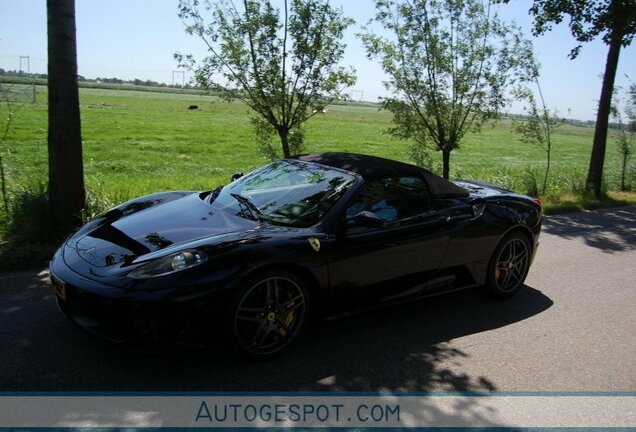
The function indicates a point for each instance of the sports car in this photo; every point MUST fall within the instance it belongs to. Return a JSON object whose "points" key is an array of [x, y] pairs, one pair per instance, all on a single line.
{"points": [[308, 237]]}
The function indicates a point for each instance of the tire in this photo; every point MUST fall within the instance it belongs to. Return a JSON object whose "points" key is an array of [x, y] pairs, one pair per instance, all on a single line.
{"points": [[509, 265], [267, 313]]}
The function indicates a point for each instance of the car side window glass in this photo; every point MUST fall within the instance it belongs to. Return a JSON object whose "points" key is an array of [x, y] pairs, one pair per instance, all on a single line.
{"points": [[393, 198]]}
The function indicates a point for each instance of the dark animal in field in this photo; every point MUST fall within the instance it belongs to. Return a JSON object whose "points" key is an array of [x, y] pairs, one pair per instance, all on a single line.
{"points": [[193, 107]]}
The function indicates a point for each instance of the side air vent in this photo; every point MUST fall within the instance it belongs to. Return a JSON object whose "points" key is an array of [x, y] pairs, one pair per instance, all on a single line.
{"points": [[478, 209]]}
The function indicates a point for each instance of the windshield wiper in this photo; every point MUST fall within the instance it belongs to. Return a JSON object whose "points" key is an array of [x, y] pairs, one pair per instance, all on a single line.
{"points": [[254, 211]]}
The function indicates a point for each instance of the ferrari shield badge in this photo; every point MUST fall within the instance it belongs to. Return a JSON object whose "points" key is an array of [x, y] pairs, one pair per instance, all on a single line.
{"points": [[315, 243]]}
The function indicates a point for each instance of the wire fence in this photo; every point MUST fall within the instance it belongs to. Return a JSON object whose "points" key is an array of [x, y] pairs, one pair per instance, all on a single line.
{"points": [[21, 93]]}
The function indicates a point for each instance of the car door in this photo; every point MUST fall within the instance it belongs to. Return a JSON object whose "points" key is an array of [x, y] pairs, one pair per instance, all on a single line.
{"points": [[395, 258]]}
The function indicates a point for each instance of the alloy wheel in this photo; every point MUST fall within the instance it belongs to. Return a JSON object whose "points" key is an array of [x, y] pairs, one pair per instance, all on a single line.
{"points": [[269, 315], [512, 265]]}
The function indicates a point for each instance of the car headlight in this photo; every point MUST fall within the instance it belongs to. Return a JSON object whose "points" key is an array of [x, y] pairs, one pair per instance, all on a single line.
{"points": [[169, 264]]}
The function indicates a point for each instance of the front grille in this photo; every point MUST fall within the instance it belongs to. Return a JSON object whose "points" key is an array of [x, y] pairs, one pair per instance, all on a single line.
{"points": [[123, 320]]}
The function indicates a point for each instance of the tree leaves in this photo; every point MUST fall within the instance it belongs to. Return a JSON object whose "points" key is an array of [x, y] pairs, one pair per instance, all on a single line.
{"points": [[610, 19], [279, 61], [449, 63]]}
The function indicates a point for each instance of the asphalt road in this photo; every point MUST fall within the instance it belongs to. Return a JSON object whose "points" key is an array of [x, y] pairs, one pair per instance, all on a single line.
{"points": [[570, 329]]}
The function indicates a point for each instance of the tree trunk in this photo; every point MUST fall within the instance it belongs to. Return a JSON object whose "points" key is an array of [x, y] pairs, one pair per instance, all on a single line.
{"points": [[4, 187], [623, 170], [66, 172], [548, 137], [445, 163], [283, 133], [544, 188], [597, 159]]}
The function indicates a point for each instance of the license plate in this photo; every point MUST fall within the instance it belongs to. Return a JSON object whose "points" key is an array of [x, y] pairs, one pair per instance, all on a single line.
{"points": [[60, 287]]}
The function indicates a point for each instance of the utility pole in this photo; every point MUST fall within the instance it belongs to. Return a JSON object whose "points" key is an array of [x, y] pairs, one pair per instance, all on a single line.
{"points": [[25, 60], [176, 74]]}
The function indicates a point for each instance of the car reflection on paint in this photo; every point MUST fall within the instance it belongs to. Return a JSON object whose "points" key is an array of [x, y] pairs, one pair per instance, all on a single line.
{"points": [[298, 239]]}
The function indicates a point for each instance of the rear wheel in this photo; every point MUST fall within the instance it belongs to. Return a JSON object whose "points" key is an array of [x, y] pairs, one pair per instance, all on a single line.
{"points": [[509, 265], [268, 313]]}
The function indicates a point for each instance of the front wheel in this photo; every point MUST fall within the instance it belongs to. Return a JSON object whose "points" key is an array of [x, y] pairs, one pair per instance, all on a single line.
{"points": [[509, 265], [268, 312]]}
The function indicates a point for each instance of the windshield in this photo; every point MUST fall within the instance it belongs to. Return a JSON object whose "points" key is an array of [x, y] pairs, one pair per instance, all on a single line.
{"points": [[286, 192]]}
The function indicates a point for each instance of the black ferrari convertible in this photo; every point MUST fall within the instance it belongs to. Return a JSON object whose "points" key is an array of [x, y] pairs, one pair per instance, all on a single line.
{"points": [[311, 236]]}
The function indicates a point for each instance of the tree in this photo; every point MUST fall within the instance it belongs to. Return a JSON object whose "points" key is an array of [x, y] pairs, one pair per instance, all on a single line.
{"points": [[449, 64], [538, 127], [66, 172], [5, 129], [615, 22], [625, 135], [277, 65]]}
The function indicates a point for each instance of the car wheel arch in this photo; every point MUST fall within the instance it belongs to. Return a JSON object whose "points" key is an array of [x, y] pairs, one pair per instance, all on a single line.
{"points": [[491, 283], [311, 282], [522, 229]]}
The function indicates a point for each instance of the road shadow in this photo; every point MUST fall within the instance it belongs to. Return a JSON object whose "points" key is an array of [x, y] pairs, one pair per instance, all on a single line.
{"points": [[610, 230], [403, 348], [393, 349], [397, 349]]}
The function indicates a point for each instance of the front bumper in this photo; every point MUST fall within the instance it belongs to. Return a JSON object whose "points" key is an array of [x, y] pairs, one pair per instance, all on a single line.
{"points": [[137, 318]]}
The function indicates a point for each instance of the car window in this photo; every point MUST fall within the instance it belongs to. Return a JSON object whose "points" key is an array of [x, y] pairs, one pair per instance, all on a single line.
{"points": [[393, 198], [286, 192]]}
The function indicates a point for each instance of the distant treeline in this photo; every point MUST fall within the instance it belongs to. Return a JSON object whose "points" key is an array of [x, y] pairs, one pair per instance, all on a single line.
{"points": [[149, 85], [16, 77], [136, 81], [104, 83]]}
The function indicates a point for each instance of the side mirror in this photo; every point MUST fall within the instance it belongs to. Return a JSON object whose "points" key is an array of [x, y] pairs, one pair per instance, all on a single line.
{"points": [[368, 219], [237, 176]]}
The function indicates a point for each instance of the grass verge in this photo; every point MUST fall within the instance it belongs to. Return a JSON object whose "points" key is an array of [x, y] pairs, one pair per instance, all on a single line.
{"points": [[569, 203]]}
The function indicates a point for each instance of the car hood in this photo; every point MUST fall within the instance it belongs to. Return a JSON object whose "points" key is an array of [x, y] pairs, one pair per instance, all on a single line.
{"points": [[148, 225]]}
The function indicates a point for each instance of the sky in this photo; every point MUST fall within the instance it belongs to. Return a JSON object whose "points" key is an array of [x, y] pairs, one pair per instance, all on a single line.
{"points": [[131, 39]]}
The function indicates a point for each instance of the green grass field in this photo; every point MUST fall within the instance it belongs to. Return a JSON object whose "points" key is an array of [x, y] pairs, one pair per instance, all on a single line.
{"points": [[141, 142]]}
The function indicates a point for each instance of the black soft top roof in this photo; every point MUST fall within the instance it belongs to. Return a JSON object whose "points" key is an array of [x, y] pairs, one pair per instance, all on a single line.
{"points": [[373, 167]]}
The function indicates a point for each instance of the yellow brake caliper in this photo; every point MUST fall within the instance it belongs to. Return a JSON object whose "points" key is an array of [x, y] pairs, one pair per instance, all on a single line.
{"points": [[288, 320]]}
